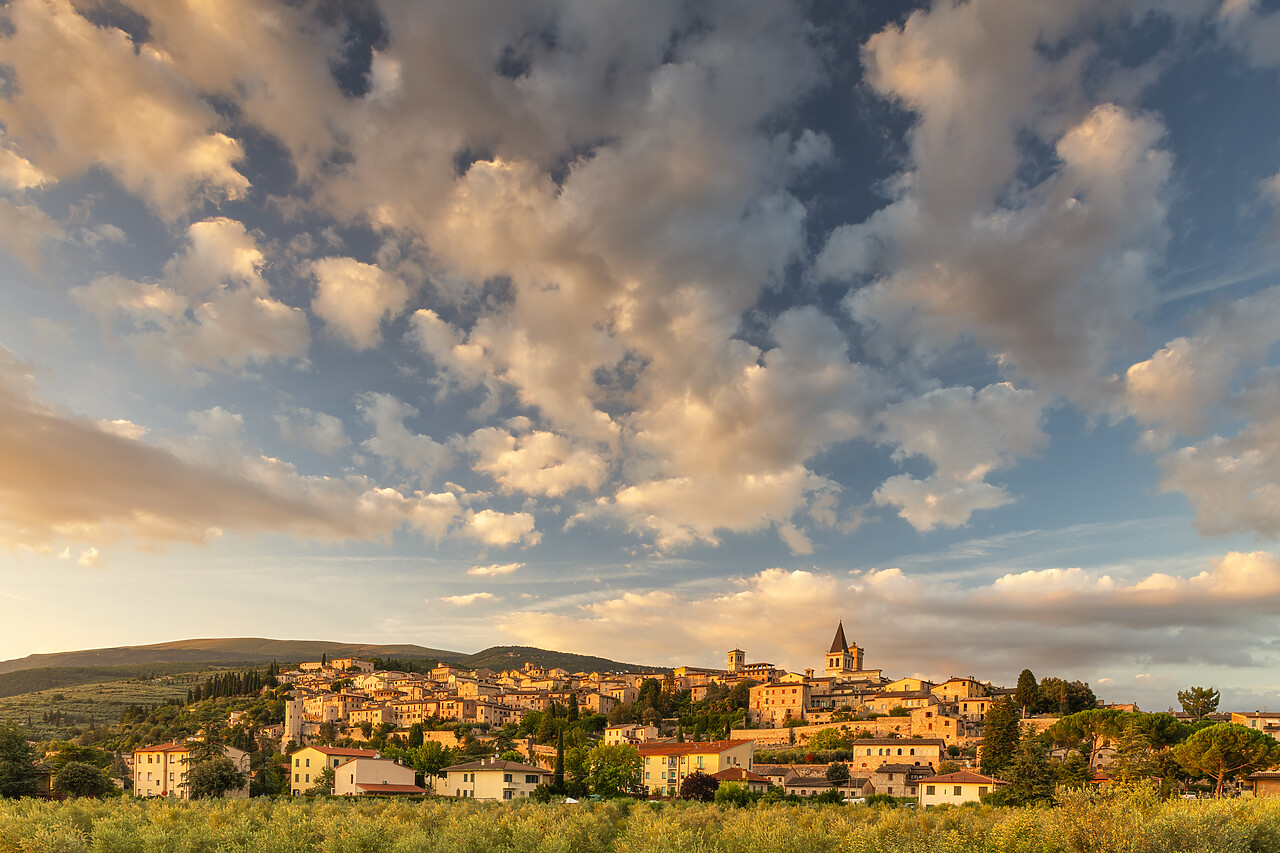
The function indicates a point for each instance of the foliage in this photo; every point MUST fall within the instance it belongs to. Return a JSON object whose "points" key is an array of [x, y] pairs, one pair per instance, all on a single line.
{"points": [[17, 763], [899, 711], [1199, 702], [217, 776], [1027, 692], [698, 786], [838, 773], [1072, 772], [1223, 750], [1087, 821], [733, 794], [1057, 696], [1030, 778], [79, 779], [999, 736], [612, 770], [830, 739]]}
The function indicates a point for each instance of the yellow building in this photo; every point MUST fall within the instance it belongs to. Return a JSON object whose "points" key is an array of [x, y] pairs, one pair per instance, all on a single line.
{"points": [[664, 765], [307, 763], [963, 786], [491, 779], [161, 770]]}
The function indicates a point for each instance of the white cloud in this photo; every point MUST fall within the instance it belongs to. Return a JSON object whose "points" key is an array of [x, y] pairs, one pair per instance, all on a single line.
{"points": [[355, 298], [502, 530], [84, 97], [211, 308], [495, 569], [468, 598], [537, 462], [90, 558], [315, 431], [395, 443]]}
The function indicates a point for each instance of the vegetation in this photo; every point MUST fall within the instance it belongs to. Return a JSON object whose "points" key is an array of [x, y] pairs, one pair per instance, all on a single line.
{"points": [[1132, 820], [17, 763], [698, 786], [79, 779], [1199, 702], [1226, 749]]}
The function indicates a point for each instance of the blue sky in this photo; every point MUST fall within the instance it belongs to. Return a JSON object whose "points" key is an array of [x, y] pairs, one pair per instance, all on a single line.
{"points": [[649, 331]]}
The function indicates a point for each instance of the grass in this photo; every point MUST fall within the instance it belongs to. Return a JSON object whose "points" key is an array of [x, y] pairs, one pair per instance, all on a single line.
{"points": [[1092, 822], [100, 702]]}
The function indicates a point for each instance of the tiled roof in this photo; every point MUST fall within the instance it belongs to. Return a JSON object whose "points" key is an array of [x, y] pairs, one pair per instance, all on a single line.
{"points": [[900, 741], [965, 777], [390, 789], [346, 751], [738, 774], [165, 747], [705, 748], [498, 764]]}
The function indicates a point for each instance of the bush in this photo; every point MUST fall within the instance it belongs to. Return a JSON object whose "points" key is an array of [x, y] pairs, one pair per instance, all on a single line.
{"points": [[733, 794]]}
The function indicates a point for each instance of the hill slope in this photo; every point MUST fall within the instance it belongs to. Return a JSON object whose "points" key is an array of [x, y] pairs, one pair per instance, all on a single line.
{"points": [[251, 650]]}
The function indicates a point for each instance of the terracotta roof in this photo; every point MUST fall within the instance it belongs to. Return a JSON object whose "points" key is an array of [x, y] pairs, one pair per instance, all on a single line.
{"points": [[704, 748], [899, 741], [335, 750], [165, 747], [390, 789], [738, 774], [489, 764], [965, 777]]}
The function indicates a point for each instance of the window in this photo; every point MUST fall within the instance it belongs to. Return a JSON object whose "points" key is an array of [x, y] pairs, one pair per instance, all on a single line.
{"points": [[532, 779], [506, 777], [913, 752], [982, 789], [308, 762], [506, 795], [956, 790], [307, 778], [295, 777], [928, 790]]}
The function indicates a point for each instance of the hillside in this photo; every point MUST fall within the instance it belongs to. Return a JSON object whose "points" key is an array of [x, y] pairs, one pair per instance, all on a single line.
{"points": [[512, 657], [250, 650], [239, 650]]}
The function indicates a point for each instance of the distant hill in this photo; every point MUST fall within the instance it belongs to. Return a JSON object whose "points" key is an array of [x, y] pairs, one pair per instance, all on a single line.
{"points": [[238, 650], [513, 657], [251, 650]]}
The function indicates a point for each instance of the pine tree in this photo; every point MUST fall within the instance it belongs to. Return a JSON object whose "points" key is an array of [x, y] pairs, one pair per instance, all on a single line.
{"points": [[999, 736], [1028, 692]]}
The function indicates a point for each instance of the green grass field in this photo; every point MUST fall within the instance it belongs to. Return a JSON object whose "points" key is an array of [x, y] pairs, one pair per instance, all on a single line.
{"points": [[1085, 823]]}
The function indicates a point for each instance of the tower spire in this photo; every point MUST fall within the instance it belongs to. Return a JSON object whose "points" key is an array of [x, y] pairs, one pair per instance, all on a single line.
{"points": [[839, 644]]}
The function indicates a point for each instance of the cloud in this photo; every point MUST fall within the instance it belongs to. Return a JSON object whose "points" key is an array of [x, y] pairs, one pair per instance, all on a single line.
{"points": [[354, 298], [1063, 620], [495, 569], [65, 478], [90, 559], [539, 463], [315, 431], [967, 435], [397, 445], [469, 598], [1255, 33], [1047, 276], [211, 308], [83, 96]]}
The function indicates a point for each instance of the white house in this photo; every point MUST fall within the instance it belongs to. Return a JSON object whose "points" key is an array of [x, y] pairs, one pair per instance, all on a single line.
{"points": [[963, 786], [491, 779], [365, 776]]}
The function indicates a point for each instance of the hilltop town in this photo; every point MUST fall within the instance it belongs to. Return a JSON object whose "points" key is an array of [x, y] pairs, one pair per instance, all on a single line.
{"points": [[351, 727]]}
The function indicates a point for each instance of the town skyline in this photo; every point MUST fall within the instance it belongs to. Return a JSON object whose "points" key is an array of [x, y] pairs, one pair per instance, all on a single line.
{"points": [[649, 331]]}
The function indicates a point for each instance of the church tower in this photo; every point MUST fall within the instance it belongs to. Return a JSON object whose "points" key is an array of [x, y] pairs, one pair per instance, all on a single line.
{"points": [[737, 660], [841, 659]]}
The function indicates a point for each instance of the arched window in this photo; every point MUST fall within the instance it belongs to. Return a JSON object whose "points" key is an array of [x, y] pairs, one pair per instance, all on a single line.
{"points": [[913, 752], [899, 750]]}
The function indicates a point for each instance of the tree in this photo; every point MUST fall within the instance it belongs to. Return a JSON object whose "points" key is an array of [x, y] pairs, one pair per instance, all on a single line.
{"points": [[1073, 771], [1199, 702], [216, 777], [415, 735], [1094, 727], [1132, 760], [838, 774], [613, 770], [1027, 692], [17, 764], [573, 712], [698, 786], [81, 779], [557, 780], [1028, 773], [733, 794], [999, 736], [323, 783], [1225, 749], [1064, 697]]}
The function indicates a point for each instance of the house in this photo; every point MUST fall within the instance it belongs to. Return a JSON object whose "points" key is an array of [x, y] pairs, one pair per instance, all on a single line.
{"points": [[870, 753], [629, 733], [491, 779], [899, 780], [358, 777], [161, 770], [1265, 783], [1265, 722], [307, 763], [664, 765], [754, 781], [773, 704], [963, 786], [810, 784]]}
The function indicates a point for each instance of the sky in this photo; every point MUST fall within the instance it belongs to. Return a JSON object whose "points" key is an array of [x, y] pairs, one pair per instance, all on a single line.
{"points": [[649, 330]]}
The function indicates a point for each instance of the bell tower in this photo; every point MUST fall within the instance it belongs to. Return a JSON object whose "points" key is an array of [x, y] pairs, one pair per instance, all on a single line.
{"points": [[841, 659]]}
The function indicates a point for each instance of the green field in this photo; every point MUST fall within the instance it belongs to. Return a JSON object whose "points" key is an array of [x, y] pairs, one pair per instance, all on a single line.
{"points": [[1085, 823], [100, 702]]}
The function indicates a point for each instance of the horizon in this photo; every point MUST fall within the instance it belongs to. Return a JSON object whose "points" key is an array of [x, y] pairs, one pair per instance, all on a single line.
{"points": [[650, 330]]}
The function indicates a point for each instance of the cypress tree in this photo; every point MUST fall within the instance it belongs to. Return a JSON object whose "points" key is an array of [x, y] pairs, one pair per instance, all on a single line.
{"points": [[999, 736]]}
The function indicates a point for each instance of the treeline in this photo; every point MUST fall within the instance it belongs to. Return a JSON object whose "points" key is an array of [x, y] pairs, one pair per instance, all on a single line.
{"points": [[52, 677], [247, 683], [423, 665]]}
